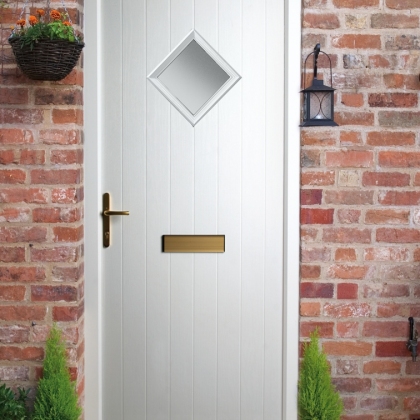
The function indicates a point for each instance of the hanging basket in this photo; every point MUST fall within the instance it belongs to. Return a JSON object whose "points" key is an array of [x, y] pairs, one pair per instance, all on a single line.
{"points": [[47, 59]]}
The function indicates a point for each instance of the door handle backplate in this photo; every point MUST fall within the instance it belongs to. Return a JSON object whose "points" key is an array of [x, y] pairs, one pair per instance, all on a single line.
{"points": [[106, 214]]}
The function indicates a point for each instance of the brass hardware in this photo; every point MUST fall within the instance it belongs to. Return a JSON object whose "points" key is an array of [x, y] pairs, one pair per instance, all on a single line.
{"points": [[106, 213], [193, 243]]}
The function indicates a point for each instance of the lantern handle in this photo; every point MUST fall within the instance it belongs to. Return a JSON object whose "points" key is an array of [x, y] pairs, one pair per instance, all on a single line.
{"points": [[316, 52]]}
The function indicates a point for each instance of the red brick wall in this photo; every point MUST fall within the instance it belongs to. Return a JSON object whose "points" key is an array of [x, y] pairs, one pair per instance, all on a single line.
{"points": [[41, 217], [360, 215]]}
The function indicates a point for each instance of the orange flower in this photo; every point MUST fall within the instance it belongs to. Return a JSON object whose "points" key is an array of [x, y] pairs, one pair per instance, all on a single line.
{"points": [[67, 23], [32, 20], [40, 12], [55, 15]]}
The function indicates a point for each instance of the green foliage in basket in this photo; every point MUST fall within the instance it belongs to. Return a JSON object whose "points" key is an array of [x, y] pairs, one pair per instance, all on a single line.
{"points": [[318, 399], [57, 26], [12, 407], [57, 397]]}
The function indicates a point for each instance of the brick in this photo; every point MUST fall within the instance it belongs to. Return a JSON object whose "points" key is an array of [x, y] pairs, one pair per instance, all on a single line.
{"points": [[402, 4], [349, 159], [67, 116], [345, 254], [391, 349], [56, 215], [316, 216], [349, 178], [22, 274], [401, 81], [8, 157], [12, 176], [358, 417], [55, 176], [355, 100], [66, 157], [12, 293], [22, 313], [321, 20], [32, 157], [15, 136], [385, 329], [310, 271], [14, 334], [308, 234], [356, 41], [400, 198], [378, 403], [318, 138], [316, 178], [354, 4], [67, 234], [349, 403], [398, 385], [310, 158], [417, 179], [24, 195], [61, 137], [385, 291], [16, 353], [354, 118], [54, 96], [399, 118], [354, 61], [347, 367], [345, 272], [385, 179], [14, 373], [347, 235], [393, 21], [325, 329], [347, 291], [310, 309], [67, 195], [309, 197], [316, 290], [402, 42], [411, 404], [350, 138], [399, 159], [23, 234], [346, 310], [14, 96], [311, 4], [56, 254], [348, 215], [350, 385], [393, 235], [403, 272], [387, 217], [67, 274], [388, 310], [416, 254], [390, 138], [21, 116], [392, 100], [54, 293], [14, 215], [12, 254], [67, 313], [309, 40], [382, 367], [315, 254], [348, 329], [356, 21], [348, 197]]}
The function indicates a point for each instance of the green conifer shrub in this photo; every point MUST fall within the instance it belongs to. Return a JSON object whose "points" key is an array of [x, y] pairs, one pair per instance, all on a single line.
{"points": [[56, 398], [318, 399]]}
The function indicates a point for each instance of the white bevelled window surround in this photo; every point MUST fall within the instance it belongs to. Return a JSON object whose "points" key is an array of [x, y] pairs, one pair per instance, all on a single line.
{"points": [[194, 77]]}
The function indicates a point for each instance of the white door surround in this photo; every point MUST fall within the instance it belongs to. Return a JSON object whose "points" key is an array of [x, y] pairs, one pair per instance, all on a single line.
{"points": [[93, 194]]}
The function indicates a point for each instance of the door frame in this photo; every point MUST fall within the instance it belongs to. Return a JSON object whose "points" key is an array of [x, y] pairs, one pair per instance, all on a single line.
{"points": [[93, 206]]}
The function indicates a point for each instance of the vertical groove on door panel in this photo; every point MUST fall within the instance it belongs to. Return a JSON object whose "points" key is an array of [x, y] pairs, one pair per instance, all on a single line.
{"points": [[182, 222]]}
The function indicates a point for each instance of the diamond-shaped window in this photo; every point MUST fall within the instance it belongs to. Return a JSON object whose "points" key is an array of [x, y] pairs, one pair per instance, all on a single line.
{"points": [[194, 77]]}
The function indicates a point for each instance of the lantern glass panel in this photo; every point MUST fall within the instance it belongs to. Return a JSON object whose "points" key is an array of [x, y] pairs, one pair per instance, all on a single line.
{"points": [[320, 106]]}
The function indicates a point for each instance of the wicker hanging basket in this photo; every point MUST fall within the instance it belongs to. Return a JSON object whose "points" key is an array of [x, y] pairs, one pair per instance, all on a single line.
{"points": [[48, 59]]}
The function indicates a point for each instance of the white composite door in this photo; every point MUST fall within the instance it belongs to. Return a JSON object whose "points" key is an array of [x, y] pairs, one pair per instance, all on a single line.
{"points": [[192, 335]]}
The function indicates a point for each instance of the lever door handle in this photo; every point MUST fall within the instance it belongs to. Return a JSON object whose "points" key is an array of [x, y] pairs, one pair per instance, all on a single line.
{"points": [[106, 213], [116, 213]]}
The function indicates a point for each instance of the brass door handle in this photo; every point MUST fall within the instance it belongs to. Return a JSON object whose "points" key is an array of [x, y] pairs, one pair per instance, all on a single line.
{"points": [[106, 213]]}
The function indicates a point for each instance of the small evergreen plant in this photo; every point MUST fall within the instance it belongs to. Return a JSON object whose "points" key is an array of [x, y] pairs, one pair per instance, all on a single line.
{"points": [[318, 399], [57, 397], [12, 407]]}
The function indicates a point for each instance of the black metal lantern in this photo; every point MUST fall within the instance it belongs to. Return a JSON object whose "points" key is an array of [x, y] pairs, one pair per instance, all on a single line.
{"points": [[318, 99]]}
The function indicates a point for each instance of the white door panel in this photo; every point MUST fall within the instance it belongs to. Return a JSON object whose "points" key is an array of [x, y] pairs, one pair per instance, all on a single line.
{"points": [[193, 336]]}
